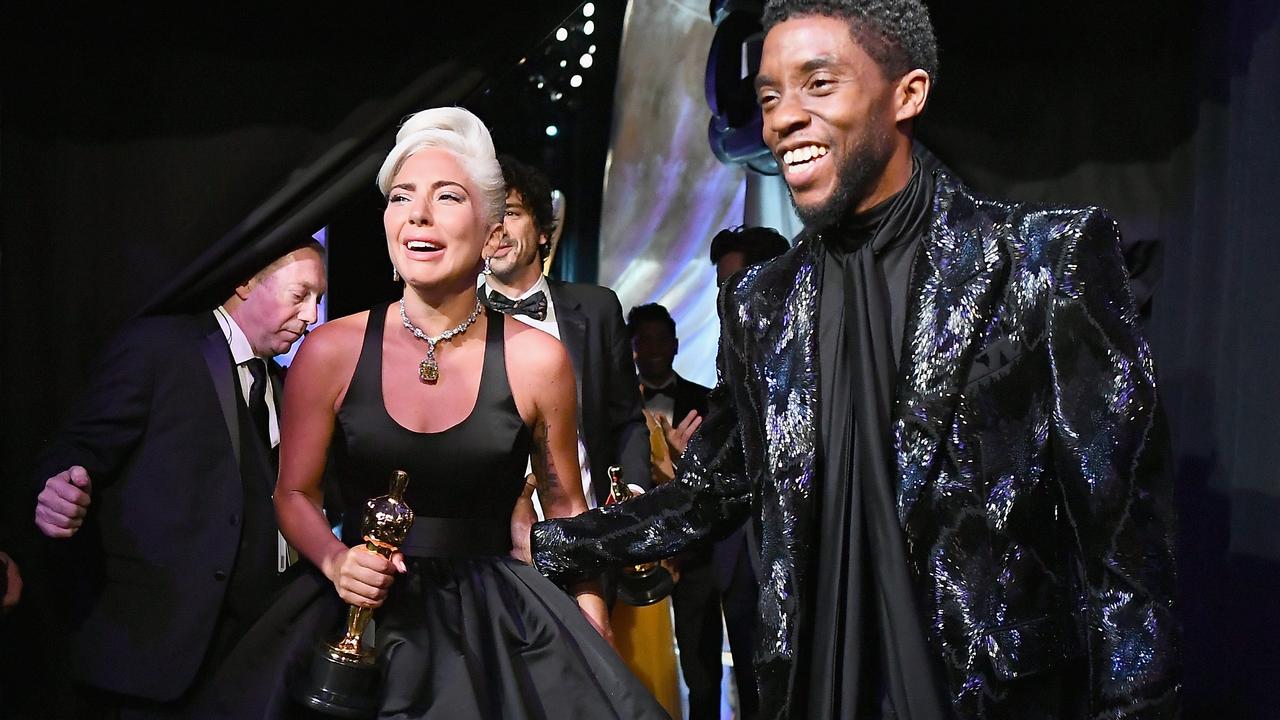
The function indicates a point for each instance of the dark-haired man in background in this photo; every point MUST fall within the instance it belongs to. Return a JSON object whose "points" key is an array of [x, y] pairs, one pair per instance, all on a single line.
{"points": [[157, 493], [940, 410], [733, 249], [586, 318], [677, 405]]}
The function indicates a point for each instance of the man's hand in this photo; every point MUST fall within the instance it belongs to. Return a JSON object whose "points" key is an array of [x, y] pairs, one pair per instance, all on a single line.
{"points": [[678, 436], [61, 506], [523, 517], [13, 582]]}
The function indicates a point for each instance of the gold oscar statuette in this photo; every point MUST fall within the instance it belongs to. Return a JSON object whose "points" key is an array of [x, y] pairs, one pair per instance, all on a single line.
{"points": [[343, 677], [645, 583]]}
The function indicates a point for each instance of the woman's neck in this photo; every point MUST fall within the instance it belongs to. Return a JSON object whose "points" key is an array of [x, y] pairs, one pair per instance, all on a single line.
{"points": [[436, 312]]}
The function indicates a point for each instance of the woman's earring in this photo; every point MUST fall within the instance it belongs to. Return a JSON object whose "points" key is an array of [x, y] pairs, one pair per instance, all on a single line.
{"points": [[487, 269], [395, 274]]}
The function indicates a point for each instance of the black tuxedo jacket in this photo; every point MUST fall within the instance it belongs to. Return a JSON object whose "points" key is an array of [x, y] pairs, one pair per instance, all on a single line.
{"points": [[610, 413], [689, 395], [1031, 459], [146, 576]]}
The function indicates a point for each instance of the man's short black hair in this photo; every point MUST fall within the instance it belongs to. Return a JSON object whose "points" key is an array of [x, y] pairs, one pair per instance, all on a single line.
{"points": [[897, 34], [535, 191], [652, 312], [756, 244]]}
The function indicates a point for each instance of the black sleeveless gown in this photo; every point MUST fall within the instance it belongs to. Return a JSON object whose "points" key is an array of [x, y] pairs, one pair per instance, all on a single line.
{"points": [[468, 632]]}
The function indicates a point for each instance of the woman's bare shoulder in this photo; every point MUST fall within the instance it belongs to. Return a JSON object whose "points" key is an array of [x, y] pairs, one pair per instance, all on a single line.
{"points": [[334, 343], [531, 348]]}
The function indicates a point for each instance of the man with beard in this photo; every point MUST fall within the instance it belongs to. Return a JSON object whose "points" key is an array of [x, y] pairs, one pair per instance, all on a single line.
{"points": [[941, 414], [586, 318]]}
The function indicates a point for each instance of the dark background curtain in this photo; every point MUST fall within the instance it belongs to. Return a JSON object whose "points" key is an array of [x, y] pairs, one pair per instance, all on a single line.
{"points": [[149, 158]]}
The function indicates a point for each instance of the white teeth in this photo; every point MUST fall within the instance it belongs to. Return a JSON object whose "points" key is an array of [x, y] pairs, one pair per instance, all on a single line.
{"points": [[803, 154], [421, 246]]}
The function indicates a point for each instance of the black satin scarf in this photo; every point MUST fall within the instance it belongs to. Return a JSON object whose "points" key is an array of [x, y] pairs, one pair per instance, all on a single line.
{"points": [[868, 655]]}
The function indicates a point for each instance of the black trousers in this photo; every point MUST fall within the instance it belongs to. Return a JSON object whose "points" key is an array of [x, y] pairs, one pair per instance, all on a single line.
{"points": [[696, 604]]}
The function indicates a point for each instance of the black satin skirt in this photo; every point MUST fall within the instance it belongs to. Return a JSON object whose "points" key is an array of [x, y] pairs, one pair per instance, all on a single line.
{"points": [[459, 638]]}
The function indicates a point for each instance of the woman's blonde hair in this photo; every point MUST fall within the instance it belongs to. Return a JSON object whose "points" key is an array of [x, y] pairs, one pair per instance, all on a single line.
{"points": [[461, 133]]}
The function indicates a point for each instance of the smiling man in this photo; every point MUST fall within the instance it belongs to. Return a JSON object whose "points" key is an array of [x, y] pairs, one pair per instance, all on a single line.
{"points": [[940, 412], [157, 493], [587, 319]]}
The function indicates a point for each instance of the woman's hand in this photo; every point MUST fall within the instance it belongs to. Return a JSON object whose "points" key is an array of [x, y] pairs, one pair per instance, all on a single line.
{"points": [[362, 578], [523, 516], [596, 611]]}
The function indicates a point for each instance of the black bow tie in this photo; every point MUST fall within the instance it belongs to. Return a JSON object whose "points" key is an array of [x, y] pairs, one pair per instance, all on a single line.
{"points": [[535, 306], [649, 393]]}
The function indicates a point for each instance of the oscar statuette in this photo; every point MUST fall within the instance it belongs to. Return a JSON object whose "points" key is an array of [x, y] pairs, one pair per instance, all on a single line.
{"points": [[646, 583], [343, 676]]}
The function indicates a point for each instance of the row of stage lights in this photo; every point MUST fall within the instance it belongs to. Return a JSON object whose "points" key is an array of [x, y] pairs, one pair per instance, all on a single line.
{"points": [[585, 61]]}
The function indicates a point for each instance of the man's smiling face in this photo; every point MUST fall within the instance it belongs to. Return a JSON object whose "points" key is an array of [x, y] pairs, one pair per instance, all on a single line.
{"points": [[828, 116]]}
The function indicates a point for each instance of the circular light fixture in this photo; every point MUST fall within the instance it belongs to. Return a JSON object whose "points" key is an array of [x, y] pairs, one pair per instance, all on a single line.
{"points": [[586, 60], [588, 10], [591, 49], [588, 27], [575, 81], [564, 63], [562, 34], [552, 131]]}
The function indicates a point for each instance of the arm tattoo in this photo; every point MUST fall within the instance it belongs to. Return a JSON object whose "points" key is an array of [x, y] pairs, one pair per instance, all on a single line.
{"points": [[544, 466]]}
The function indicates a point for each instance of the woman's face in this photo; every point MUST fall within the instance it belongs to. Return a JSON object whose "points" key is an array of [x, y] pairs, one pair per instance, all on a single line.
{"points": [[433, 221]]}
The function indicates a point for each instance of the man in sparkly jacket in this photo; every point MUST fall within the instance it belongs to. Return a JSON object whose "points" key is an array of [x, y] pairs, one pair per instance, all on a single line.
{"points": [[940, 412]]}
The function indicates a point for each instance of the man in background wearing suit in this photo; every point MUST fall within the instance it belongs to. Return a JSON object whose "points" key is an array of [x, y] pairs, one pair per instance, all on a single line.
{"points": [[677, 406], [158, 491], [586, 318]]}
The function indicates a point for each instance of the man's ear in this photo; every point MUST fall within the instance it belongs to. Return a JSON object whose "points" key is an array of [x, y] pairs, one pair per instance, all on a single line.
{"points": [[495, 233], [911, 94], [244, 289]]}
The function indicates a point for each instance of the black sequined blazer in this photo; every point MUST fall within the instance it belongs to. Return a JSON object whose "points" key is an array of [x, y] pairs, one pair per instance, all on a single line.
{"points": [[1031, 466]]}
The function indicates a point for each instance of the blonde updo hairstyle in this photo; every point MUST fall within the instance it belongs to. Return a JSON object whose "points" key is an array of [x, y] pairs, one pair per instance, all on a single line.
{"points": [[461, 133]]}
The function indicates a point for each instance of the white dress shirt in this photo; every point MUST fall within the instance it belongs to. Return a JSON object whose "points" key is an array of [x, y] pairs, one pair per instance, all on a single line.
{"points": [[664, 405], [241, 354], [548, 325]]}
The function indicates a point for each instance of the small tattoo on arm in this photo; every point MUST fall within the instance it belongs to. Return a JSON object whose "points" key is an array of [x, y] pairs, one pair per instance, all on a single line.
{"points": [[544, 466]]}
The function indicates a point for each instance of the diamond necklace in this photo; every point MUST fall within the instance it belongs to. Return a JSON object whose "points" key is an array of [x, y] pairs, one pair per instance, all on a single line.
{"points": [[429, 369]]}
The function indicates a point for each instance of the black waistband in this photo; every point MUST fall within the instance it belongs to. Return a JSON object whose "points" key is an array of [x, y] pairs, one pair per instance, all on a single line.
{"points": [[457, 537]]}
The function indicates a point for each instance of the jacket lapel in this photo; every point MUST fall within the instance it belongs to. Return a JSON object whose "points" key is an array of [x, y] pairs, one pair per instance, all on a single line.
{"points": [[213, 346], [572, 324], [956, 277]]}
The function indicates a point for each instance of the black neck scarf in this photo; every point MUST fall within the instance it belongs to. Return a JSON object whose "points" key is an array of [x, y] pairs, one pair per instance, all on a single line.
{"points": [[868, 655]]}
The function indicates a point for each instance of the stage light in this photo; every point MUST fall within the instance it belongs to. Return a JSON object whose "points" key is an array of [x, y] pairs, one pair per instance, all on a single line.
{"points": [[556, 95], [562, 34], [592, 49], [552, 131], [564, 63], [585, 61], [575, 81], [588, 27], [588, 10]]}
